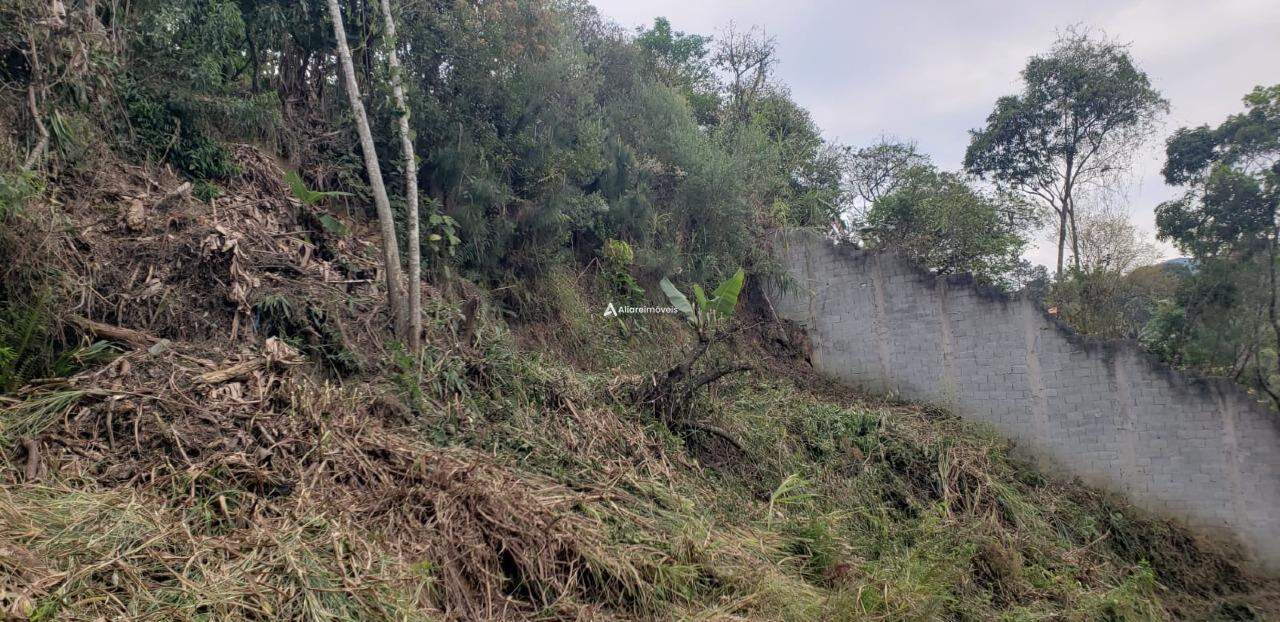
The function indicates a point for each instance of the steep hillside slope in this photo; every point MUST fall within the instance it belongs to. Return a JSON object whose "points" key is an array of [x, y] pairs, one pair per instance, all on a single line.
{"points": [[235, 438]]}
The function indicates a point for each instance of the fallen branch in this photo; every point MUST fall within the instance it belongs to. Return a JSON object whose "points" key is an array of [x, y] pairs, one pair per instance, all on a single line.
{"points": [[43, 144], [710, 377], [277, 351], [239, 370], [115, 333], [715, 431]]}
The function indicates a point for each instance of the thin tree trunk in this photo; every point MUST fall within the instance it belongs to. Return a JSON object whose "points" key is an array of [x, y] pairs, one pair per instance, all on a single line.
{"points": [[1272, 313], [42, 144], [1069, 210], [410, 183], [390, 248], [1075, 241], [1062, 237], [253, 59]]}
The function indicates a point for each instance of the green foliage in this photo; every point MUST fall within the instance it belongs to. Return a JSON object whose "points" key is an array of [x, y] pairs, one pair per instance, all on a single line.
{"points": [[1227, 323], [878, 170], [618, 256], [299, 190], [15, 190], [206, 191], [1084, 97], [725, 297], [679, 60], [442, 238], [407, 378], [1083, 110], [1234, 184], [679, 301], [704, 313], [1112, 304], [27, 346], [946, 225], [32, 416], [548, 136], [791, 492], [1118, 287], [1164, 332], [165, 131]]}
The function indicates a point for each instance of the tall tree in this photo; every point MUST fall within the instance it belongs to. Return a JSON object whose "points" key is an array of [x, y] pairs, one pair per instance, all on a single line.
{"points": [[747, 57], [410, 182], [1083, 110], [679, 60], [1230, 215], [390, 247]]}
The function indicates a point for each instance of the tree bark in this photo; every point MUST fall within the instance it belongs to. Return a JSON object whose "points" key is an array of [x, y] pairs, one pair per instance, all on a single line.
{"points": [[114, 333], [390, 247], [410, 183], [42, 144], [1272, 313], [1069, 212], [1075, 241], [1062, 237]]}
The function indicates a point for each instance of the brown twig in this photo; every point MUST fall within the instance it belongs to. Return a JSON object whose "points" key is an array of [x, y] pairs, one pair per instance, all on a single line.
{"points": [[239, 370], [38, 151], [115, 333]]}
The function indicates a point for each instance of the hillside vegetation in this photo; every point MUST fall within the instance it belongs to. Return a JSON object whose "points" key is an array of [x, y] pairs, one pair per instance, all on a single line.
{"points": [[205, 412], [314, 472]]}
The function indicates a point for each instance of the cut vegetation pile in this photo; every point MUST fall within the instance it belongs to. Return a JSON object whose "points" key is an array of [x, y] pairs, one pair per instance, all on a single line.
{"points": [[223, 432]]}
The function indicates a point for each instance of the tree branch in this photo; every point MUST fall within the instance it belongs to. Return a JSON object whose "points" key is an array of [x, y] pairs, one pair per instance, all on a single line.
{"points": [[710, 377]]}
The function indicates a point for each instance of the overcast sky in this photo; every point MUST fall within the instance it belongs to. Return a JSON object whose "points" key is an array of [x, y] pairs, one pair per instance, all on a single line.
{"points": [[931, 70]]}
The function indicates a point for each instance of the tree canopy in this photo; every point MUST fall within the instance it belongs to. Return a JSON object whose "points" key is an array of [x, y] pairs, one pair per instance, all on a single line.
{"points": [[1084, 106], [947, 225], [1226, 318]]}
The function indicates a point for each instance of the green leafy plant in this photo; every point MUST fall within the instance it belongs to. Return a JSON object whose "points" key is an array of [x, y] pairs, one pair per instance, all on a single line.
{"points": [[206, 191], [442, 237], [705, 313], [161, 127], [794, 490], [617, 257], [307, 196], [670, 394], [16, 189]]}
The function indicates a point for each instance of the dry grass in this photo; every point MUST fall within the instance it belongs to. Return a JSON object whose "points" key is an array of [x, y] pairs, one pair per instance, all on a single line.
{"points": [[241, 470]]}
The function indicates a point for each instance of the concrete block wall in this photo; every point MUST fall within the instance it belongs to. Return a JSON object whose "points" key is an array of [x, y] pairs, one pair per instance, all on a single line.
{"points": [[1195, 449]]}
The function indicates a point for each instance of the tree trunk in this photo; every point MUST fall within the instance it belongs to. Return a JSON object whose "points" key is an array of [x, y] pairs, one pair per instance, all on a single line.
{"points": [[1075, 241], [1272, 313], [410, 183], [1062, 237], [254, 64], [1069, 213], [390, 248]]}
